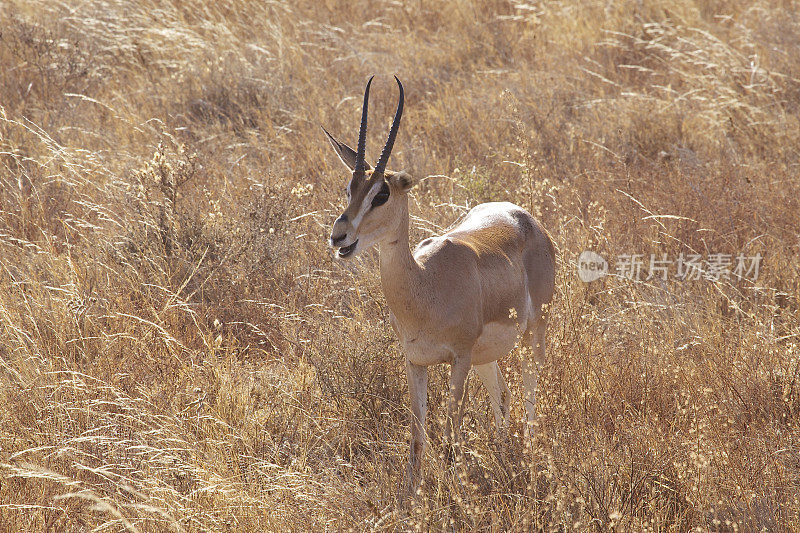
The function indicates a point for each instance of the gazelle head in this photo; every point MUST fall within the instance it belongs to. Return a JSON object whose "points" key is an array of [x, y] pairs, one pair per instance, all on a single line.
{"points": [[376, 197]]}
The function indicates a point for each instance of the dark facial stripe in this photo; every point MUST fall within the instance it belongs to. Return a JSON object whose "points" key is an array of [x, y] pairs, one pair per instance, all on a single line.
{"points": [[359, 191]]}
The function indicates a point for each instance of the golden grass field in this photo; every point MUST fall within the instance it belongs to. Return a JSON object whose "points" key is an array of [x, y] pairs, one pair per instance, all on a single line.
{"points": [[179, 351]]}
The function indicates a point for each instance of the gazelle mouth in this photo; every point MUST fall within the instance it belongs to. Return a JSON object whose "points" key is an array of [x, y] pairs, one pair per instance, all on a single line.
{"points": [[345, 251]]}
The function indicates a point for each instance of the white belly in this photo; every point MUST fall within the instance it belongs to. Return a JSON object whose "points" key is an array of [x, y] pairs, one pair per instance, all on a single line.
{"points": [[425, 352], [496, 340]]}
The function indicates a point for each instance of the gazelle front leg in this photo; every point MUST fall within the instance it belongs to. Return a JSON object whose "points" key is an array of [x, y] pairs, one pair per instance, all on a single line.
{"points": [[418, 391], [455, 409]]}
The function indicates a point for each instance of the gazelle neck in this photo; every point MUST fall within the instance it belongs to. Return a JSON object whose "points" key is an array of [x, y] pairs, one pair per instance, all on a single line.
{"points": [[400, 273]]}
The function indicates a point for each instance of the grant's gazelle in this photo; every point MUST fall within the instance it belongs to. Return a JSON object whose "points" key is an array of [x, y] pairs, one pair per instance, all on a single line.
{"points": [[461, 298]]}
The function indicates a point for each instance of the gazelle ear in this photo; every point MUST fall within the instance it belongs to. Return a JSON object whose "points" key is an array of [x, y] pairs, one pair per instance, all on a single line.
{"points": [[346, 154], [402, 180]]}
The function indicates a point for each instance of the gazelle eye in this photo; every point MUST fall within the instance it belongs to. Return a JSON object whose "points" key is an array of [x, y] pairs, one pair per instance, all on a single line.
{"points": [[382, 196]]}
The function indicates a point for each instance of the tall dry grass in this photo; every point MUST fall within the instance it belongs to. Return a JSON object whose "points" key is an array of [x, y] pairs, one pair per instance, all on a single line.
{"points": [[179, 351]]}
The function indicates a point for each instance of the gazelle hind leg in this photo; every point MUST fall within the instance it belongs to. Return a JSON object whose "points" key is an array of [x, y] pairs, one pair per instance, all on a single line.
{"points": [[533, 359], [499, 395]]}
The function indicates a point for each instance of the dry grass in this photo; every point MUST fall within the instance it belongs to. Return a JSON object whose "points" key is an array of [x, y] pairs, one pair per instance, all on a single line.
{"points": [[179, 351]]}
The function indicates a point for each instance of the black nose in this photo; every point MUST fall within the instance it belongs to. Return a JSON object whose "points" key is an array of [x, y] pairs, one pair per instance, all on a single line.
{"points": [[336, 240]]}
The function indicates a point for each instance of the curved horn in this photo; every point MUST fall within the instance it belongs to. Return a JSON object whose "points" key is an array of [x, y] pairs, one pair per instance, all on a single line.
{"points": [[387, 150], [359, 168]]}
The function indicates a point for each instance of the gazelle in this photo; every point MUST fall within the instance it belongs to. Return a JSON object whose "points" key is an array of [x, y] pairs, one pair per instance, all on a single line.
{"points": [[462, 297]]}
